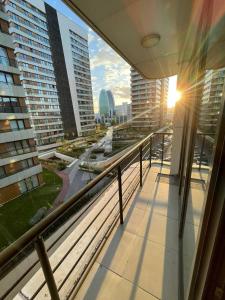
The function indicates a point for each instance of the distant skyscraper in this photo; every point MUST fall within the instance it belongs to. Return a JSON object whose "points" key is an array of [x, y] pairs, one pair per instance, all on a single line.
{"points": [[148, 98], [103, 103], [111, 103], [106, 104]]}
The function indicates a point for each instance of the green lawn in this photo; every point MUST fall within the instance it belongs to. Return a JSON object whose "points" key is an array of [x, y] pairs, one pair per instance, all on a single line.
{"points": [[15, 215]]}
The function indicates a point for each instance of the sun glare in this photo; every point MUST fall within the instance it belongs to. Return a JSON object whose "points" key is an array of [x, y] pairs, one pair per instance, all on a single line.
{"points": [[173, 97]]}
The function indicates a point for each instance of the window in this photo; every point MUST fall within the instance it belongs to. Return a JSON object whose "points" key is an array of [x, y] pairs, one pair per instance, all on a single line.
{"points": [[2, 172], [22, 186], [6, 78], [17, 124], [3, 57]]}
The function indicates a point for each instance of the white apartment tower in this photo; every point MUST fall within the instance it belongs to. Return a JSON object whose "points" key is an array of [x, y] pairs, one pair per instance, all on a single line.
{"points": [[28, 26], [211, 100], [69, 43], [148, 99], [56, 76]]}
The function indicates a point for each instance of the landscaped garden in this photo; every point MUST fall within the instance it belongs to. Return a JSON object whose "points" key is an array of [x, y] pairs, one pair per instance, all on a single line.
{"points": [[15, 216]]}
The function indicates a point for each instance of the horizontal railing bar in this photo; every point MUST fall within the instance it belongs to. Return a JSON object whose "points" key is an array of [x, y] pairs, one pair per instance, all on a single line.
{"points": [[16, 247]]}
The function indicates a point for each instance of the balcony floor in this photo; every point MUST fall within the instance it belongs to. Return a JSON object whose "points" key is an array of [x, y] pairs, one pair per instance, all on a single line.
{"points": [[140, 258]]}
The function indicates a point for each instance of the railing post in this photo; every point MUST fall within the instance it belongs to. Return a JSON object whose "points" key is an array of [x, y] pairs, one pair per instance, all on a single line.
{"points": [[162, 150], [201, 153], [119, 178], [150, 152], [46, 267], [140, 150]]}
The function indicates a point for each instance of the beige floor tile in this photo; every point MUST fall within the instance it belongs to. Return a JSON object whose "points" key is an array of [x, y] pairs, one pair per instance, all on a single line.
{"points": [[117, 250], [103, 284], [154, 269]]}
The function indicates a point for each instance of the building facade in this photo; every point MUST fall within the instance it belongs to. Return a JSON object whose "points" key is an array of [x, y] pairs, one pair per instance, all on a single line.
{"points": [[123, 112], [211, 100], [70, 53], [57, 88], [106, 104], [20, 170], [28, 25], [148, 98]]}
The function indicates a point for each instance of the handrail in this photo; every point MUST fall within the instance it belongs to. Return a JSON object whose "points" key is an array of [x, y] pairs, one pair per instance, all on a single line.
{"points": [[7, 254]]}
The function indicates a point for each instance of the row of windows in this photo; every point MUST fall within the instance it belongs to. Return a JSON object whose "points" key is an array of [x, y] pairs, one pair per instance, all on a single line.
{"points": [[37, 107], [78, 43], [43, 100], [28, 14], [46, 134], [78, 37], [34, 51], [80, 51], [37, 76], [82, 75], [46, 114], [81, 63], [51, 127], [34, 59], [17, 148], [84, 81], [80, 57], [9, 101], [85, 87], [40, 84], [36, 68], [81, 92], [30, 33], [28, 184], [28, 41], [19, 19], [46, 121], [24, 164], [30, 91], [78, 68]]}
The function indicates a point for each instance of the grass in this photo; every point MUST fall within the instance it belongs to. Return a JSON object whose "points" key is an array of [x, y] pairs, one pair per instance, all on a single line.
{"points": [[75, 152], [15, 215]]}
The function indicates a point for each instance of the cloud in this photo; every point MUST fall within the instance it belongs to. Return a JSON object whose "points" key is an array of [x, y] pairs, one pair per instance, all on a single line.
{"points": [[108, 70]]}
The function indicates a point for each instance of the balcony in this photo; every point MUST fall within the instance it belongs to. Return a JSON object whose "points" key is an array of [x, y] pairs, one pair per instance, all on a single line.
{"points": [[125, 236]]}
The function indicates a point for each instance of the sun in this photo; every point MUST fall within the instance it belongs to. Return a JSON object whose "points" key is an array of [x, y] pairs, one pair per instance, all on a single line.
{"points": [[173, 97]]}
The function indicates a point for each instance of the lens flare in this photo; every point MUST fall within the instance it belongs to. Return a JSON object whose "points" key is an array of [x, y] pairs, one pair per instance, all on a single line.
{"points": [[173, 98]]}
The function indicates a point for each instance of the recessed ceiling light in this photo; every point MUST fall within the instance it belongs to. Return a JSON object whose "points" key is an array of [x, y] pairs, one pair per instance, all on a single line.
{"points": [[150, 40]]}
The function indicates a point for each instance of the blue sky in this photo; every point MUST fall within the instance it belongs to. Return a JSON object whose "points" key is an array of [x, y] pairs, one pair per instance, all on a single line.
{"points": [[108, 69]]}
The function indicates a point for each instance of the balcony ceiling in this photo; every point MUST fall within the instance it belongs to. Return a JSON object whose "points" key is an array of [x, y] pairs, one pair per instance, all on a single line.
{"points": [[124, 23]]}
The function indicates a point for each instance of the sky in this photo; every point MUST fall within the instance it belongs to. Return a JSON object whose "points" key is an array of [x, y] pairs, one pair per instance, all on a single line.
{"points": [[108, 69]]}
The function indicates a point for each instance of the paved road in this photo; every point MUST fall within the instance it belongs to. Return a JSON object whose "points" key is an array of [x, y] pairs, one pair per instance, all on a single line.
{"points": [[79, 178]]}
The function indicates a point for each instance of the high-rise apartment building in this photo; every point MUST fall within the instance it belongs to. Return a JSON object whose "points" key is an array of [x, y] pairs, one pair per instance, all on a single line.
{"points": [[69, 44], [52, 54], [29, 28], [148, 98], [20, 170], [211, 100]]}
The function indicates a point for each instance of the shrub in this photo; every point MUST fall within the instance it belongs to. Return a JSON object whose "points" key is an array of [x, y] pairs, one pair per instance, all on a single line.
{"points": [[61, 165], [93, 156]]}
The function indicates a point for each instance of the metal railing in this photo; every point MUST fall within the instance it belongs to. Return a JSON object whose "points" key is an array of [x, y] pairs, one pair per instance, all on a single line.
{"points": [[127, 171]]}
